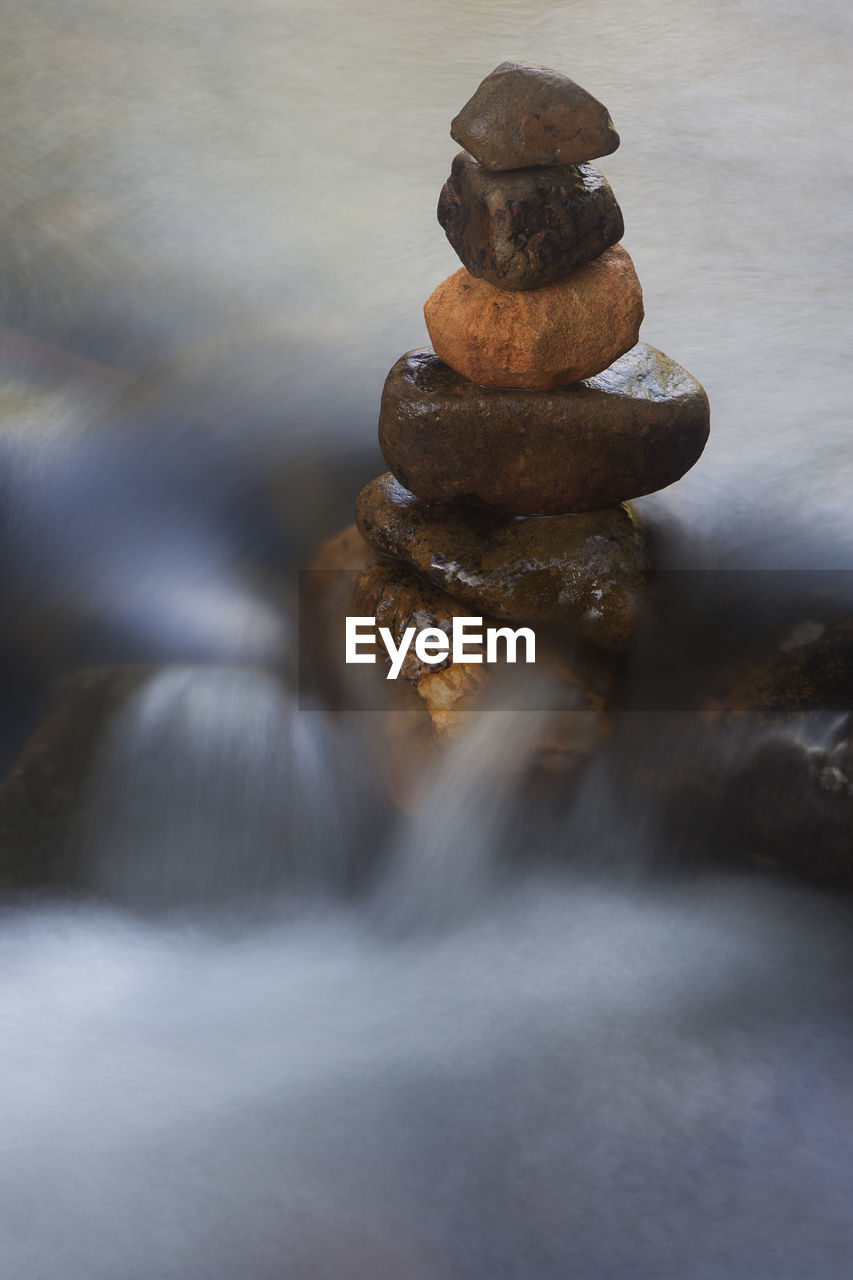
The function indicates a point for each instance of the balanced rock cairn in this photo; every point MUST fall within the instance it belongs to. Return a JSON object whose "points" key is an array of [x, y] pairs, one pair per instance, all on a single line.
{"points": [[536, 399]]}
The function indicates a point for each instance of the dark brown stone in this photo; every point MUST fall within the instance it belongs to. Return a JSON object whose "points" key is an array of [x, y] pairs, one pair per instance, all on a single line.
{"points": [[528, 227], [780, 717], [523, 115], [633, 429], [806, 666], [585, 571], [41, 801], [771, 792], [737, 730]]}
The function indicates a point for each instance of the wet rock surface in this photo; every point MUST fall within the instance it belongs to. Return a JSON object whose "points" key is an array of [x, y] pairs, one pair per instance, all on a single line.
{"points": [[41, 818], [538, 338], [398, 599], [630, 430], [528, 227], [523, 114], [773, 792], [734, 736], [586, 571], [574, 683], [792, 797], [805, 665], [788, 784], [327, 597], [577, 681]]}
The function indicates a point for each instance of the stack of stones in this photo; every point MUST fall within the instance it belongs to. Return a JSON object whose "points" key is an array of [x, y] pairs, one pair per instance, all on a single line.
{"points": [[536, 398]]}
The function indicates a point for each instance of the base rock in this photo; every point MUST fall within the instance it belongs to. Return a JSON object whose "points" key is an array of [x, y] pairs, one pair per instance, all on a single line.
{"points": [[586, 572]]}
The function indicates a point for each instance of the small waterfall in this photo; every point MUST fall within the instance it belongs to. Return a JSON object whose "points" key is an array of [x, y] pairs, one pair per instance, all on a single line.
{"points": [[211, 787], [448, 853]]}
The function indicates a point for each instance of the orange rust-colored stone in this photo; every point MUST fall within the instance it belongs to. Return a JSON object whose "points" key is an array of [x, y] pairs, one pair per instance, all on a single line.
{"points": [[538, 338]]}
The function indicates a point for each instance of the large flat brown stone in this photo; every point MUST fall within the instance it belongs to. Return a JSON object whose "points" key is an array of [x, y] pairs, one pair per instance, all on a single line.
{"points": [[528, 227], [586, 571], [523, 114], [633, 429], [538, 338]]}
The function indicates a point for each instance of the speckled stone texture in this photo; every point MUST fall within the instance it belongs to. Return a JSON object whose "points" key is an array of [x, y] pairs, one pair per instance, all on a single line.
{"points": [[538, 338], [528, 227], [630, 430], [523, 114], [585, 571]]}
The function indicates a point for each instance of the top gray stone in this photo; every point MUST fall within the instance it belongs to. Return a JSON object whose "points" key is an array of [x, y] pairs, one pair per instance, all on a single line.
{"points": [[524, 115]]}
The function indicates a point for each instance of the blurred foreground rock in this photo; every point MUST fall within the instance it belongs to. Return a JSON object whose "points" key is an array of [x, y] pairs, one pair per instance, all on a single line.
{"points": [[41, 811], [753, 764]]}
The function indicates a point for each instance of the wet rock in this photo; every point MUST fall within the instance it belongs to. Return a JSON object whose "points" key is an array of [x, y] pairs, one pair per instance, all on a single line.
{"points": [[578, 682], [345, 552], [41, 816], [783, 709], [735, 735], [327, 597], [770, 792], [523, 115], [575, 692], [349, 577], [630, 430], [728, 644], [806, 665], [538, 338], [791, 798], [403, 739], [451, 694], [529, 227], [398, 599], [585, 571]]}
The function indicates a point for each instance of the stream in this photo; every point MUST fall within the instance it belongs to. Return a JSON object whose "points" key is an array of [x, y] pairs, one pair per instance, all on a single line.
{"points": [[274, 1026]]}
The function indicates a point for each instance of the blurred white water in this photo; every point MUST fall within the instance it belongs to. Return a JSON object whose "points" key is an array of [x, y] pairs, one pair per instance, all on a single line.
{"points": [[582, 1081], [468, 1073], [472, 1067], [210, 786]]}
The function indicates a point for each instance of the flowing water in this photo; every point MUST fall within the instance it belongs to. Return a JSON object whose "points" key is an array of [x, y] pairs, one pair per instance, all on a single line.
{"points": [[288, 1031]]}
